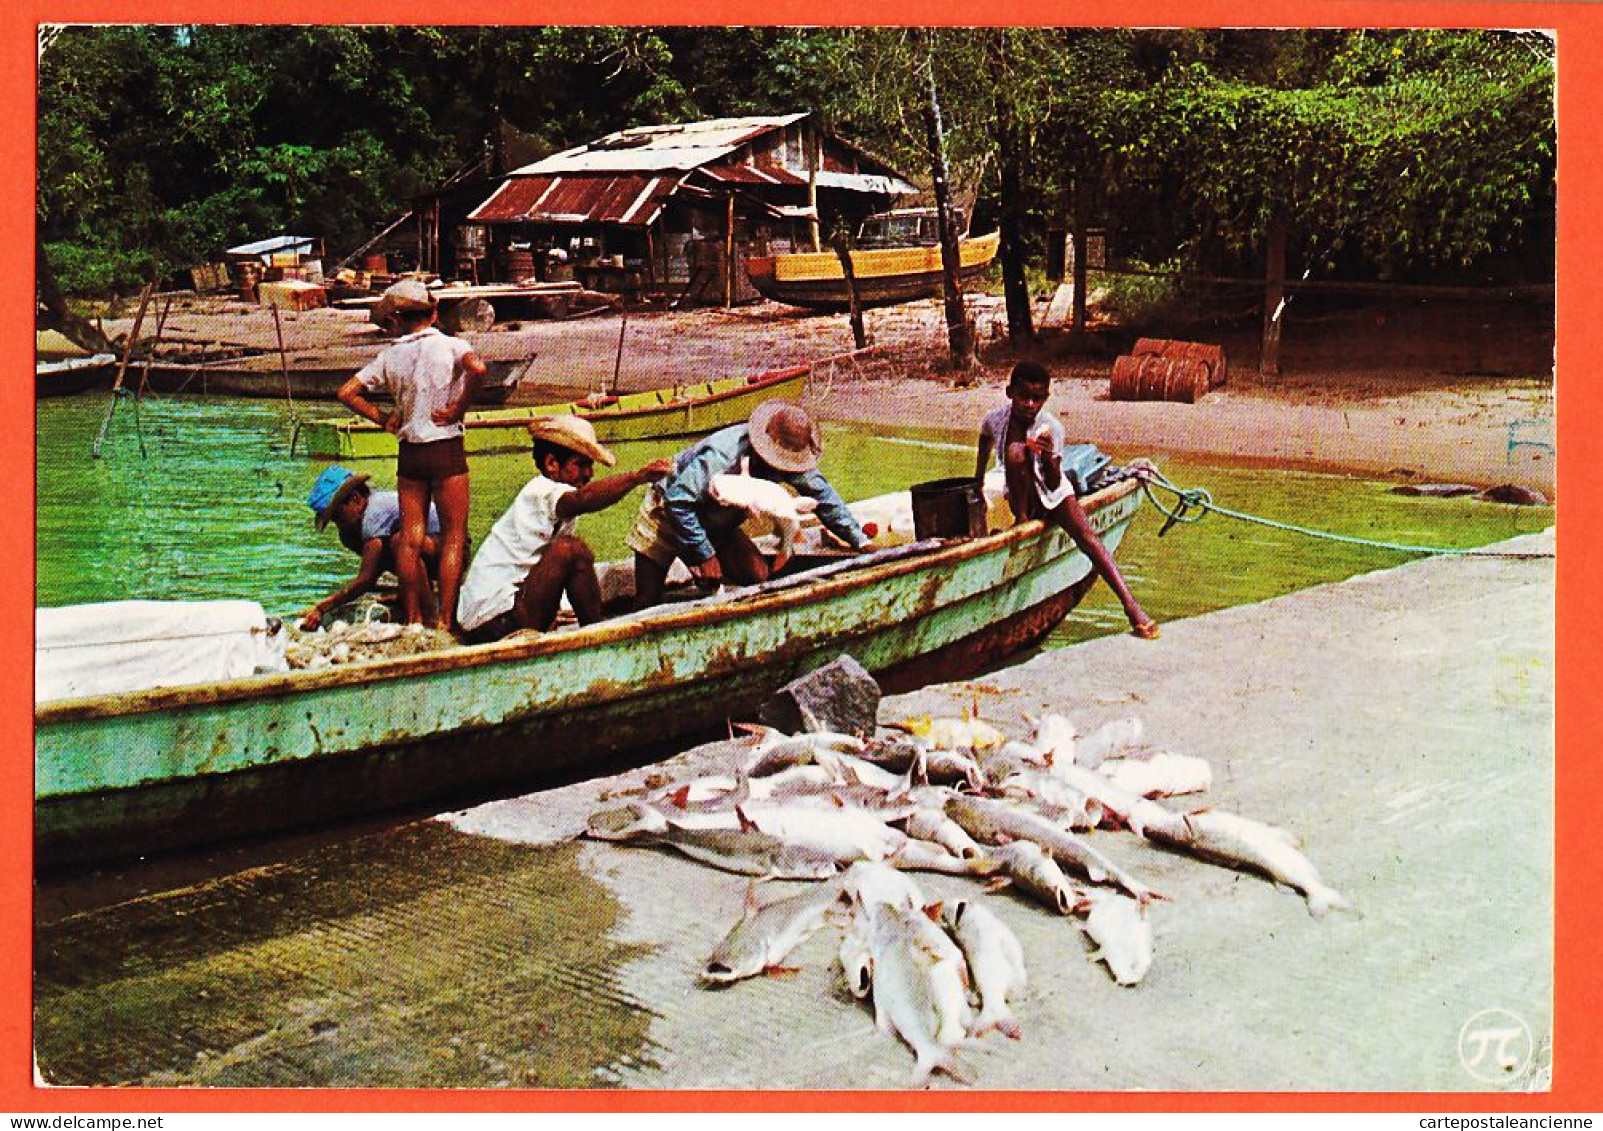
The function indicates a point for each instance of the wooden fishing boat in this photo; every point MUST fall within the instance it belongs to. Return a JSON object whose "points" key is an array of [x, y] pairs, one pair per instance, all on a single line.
{"points": [[263, 376], [73, 375], [134, 772], [898, 259], [682, 410]]}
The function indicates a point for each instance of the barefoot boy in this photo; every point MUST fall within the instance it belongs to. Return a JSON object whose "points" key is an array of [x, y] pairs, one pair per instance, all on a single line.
{"points": [[1028, 442]]}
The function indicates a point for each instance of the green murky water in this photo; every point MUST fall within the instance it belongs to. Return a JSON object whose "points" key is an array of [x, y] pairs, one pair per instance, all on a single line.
{"points": [[215, 507]]}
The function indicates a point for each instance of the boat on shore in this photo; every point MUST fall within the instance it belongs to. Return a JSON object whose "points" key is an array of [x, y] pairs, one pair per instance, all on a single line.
{"points": [[898, 259], [73, 375], [264, 377], [680, 410], [140, 771]]}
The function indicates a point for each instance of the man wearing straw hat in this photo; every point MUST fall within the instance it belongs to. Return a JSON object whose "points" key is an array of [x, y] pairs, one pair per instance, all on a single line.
{"points": [[532, 555], [678, 517]]}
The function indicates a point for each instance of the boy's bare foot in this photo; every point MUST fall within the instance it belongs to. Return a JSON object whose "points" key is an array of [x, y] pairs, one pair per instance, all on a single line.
{"points": [[1146, 630]]}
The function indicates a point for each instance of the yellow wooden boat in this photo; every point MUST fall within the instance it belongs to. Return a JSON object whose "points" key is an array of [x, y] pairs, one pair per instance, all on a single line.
{"points": [[681, 410], [885, 275]]}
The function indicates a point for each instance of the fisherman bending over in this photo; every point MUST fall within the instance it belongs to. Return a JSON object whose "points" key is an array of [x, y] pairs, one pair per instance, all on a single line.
{"points": [[531, 555], [367, 522], [679, 519]]}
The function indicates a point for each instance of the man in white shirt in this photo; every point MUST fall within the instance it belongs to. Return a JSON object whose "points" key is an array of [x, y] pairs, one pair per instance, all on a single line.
{"points": [[532, 555]]}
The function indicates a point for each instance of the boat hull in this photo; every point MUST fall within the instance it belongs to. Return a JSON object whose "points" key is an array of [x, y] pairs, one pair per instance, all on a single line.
{"points": [[73, 375], [156, 770], [306, 383], [690, 410], [884, 276]]}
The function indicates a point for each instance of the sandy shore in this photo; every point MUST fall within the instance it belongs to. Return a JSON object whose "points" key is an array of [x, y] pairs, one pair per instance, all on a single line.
{"points": [[1420, 396]]}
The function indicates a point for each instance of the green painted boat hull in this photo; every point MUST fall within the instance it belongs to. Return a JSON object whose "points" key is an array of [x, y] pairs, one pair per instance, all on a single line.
{"points": [[133, 773], [689, 410]]}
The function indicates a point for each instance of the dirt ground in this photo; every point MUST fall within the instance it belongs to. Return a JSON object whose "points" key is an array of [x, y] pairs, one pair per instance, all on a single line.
{"points": [[1416, 392]]}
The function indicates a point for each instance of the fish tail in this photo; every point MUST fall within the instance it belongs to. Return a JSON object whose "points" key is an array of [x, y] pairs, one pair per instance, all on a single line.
{"points": [[939, 1059], [1322, 899]]}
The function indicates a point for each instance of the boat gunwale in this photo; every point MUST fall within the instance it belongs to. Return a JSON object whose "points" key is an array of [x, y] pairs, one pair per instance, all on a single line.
{"points": [[698, 614], [506, 418], [769, 264]]}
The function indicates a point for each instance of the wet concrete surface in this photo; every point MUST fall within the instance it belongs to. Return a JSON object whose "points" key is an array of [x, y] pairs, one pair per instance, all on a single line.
{"points": [[1400, 722]]}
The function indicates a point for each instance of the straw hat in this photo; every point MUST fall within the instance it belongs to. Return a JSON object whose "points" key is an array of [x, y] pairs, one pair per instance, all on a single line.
{"points": [[785, 437], [572, 432], [409, 296], [332, 488]]}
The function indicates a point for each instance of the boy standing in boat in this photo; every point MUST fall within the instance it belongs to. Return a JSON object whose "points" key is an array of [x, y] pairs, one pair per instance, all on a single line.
{"points": [[679, 519], [433, 379], [1028, 442], [532, 555], [367, 522]]}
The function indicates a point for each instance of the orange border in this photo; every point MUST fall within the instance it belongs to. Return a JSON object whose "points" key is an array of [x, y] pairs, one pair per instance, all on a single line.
{"points": [[1578, 1051]]}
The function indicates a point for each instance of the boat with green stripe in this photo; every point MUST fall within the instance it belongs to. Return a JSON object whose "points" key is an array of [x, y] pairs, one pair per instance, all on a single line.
{"points": [[140, 771], [680, 410]]}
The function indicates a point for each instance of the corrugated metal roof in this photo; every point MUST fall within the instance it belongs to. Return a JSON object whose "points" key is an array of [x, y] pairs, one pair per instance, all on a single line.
{"points": [[274, 243], [752, 175], [681, 146], [577, 199]]}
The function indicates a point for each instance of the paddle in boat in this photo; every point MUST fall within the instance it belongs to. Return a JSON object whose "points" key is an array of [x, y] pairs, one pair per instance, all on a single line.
{"points": [[141, 770]]}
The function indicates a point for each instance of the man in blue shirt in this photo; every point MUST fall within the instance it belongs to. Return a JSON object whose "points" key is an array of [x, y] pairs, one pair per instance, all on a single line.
{"points": [[679, 519], [367, 522]]}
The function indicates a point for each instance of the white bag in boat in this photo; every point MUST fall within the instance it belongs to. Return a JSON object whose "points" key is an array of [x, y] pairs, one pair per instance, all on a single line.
{"points": [[135, 645]]}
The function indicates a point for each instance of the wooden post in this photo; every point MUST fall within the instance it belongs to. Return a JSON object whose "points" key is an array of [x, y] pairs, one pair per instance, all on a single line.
{"points": [[1274, 298], [1081, 259], [814, 159], [729, 255], [843, 251], [122, 369], [958, 341]]}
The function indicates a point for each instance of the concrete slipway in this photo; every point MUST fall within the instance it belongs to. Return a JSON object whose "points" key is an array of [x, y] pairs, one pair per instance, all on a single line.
{"points": [[1401, 722]]}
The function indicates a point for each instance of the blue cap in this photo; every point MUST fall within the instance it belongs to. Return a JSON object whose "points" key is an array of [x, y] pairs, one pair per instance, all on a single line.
{"points": [[330, 489]]}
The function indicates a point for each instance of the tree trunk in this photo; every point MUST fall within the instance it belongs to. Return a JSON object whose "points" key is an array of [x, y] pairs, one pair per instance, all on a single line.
{"points": [[1020, 328], [842, 244], [55, 315], [1081, 259], [958, 338], [1274, 298]]}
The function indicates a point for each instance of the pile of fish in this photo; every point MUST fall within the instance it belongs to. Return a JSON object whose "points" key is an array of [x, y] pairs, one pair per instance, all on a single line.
{"points": [[342, 643], [949, 795]]}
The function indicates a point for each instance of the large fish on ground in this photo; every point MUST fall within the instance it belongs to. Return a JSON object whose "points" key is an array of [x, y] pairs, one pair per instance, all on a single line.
{"points": [[745, 851], [767, 933], [1160, 774], [1123, 934], [993, 821], [918, 991], [1241, 842], [995, 963], [1030, 868]]}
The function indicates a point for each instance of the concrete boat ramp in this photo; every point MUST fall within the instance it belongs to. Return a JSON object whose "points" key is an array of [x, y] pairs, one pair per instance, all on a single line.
{"points": [[1400, 722]]}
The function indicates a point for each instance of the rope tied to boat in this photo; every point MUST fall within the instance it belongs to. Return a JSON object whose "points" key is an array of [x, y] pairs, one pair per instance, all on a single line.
{"points": [[1193, 504]]}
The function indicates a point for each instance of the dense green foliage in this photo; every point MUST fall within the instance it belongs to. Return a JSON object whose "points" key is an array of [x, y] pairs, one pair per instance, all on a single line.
{"points": [[1395, 152]]}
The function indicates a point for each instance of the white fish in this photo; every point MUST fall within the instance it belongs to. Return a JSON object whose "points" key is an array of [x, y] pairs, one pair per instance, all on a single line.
{"points": [[1241, 842], [767, 933], [1123, 806], [1030, 868], [856, 958], [765, 497], [1123, 934], [1069, 807], [935, 826], [1012, 757], [1107, 740], [1054, 736], [995, 963], [742, 850], [1160, 775], [993, 821], [918, 990], [870, 883]]}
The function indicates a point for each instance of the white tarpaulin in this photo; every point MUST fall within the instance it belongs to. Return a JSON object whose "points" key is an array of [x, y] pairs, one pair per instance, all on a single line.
{"points": [[134, 645]]}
